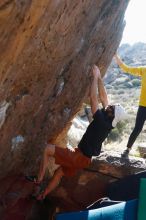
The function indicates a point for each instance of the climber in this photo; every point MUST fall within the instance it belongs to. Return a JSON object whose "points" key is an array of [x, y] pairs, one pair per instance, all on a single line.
{"points": [[141, 113], [70, 161]]}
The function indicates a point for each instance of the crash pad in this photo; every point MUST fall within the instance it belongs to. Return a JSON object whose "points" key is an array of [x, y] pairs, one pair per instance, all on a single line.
{"points": [[126, 188], [142, 200], [121, 211]]}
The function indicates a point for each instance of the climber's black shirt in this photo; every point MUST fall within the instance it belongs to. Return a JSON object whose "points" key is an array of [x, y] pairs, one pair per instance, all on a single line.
{"points": [[96, 133]]}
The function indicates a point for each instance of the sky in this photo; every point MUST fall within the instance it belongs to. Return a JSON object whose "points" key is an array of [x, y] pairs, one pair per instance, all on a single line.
{"points": [[135, 16]]}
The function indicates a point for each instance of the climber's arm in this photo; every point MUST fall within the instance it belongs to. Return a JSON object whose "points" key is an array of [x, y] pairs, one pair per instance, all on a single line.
{"points": [[93, 90], [101, 90]]}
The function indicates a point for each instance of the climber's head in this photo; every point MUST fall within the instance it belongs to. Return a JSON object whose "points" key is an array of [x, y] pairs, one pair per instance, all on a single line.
{"points": [[116, 113]]}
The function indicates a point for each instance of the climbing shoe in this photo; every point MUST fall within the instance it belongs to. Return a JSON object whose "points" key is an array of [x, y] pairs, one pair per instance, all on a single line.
{"points": [[125, 154], [32, 179]]}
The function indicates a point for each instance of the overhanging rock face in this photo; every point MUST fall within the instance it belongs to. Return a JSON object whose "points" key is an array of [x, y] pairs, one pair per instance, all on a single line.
{"points": [[47, 50]]}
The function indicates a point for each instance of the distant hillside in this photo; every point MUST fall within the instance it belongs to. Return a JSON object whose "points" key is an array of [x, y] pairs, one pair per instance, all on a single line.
{"points": [[134, 55]]}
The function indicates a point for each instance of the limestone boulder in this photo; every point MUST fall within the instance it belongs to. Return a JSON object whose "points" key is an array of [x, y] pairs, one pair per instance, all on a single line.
{"points": [[47, 50]]}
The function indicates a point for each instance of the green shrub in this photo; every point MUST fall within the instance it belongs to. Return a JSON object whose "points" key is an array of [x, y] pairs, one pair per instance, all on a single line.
{"points": [[136, 82], [116, 133], [121, 126], [128, 85], [109, 86], [113, 136], [121, 91]]}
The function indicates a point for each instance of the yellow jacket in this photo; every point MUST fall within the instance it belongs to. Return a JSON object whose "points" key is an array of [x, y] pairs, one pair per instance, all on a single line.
{"points": [[138, 71]]}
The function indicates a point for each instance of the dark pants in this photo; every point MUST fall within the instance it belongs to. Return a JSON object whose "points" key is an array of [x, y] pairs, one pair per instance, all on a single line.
{"points": [[140, 119]]}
